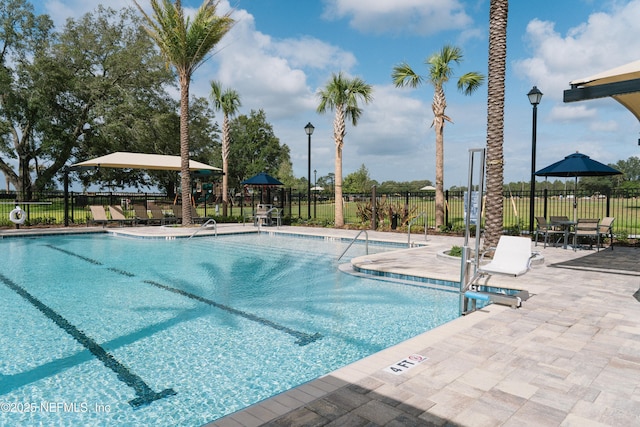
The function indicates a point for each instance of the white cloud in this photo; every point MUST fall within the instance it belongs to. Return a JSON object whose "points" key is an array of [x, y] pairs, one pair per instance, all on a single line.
{"points": [[605, 41], [273, 74], [400, 16], [571, 112]]}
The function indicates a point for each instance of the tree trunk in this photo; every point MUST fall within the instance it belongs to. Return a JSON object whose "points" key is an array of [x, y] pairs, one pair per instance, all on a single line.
{"points": [[498, 12], [225, 163], [439, 106], [339, 130], [185, 177]]}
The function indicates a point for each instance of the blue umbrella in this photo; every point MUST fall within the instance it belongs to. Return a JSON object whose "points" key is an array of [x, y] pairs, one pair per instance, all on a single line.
{"points": [[575, 165], [261, 179]]}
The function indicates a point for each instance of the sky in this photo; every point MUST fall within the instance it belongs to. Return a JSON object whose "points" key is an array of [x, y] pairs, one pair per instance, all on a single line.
{"points": [[281, 52]]}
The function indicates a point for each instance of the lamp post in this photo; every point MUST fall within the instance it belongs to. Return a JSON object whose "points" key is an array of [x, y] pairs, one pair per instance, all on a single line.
{"points": [[315, 192], [309, 131], [534, 98]]}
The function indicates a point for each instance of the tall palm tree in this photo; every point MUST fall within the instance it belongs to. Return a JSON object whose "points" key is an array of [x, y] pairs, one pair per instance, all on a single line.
{"points": [[185, 43], [440, 71], [498, 11], [229, 102], [342, 94]]}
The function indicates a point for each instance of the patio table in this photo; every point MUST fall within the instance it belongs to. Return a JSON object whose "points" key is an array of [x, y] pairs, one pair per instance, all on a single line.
{"points": [[566, 226]]}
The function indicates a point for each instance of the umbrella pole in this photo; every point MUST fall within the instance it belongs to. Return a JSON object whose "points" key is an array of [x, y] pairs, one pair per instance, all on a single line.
{"points": [[575, 201]]}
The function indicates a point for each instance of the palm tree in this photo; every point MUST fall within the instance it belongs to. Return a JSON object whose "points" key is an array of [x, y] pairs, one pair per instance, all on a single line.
{"points": [[342, 94], [229, 102], [185, 43], [440, 71], [498, 11]]}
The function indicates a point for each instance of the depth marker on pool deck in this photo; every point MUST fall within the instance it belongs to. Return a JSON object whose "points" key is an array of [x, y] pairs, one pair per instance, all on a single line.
{"points": [[145, 394], [303, 338]]}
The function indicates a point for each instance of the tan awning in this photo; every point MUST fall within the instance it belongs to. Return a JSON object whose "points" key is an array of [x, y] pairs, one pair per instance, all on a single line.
{"points": [[621, 83], [126, 160]]}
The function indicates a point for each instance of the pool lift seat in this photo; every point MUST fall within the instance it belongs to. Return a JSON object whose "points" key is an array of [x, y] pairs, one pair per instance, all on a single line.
{"points": [[512, 257]]}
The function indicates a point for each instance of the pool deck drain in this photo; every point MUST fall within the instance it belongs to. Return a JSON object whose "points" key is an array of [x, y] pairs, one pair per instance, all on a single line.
{"points": [[568, 357]]}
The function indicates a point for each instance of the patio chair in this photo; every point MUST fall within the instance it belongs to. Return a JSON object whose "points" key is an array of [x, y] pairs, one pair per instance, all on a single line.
{"points": [[118, 215], [546, 230], [586, 228], [98, 215], [605, 229], [512, 257], [276, 215], [262, 216]]}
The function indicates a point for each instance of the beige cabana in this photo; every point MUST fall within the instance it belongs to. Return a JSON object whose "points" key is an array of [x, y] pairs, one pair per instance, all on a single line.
{"points": [[125, 160], [621, 83]]}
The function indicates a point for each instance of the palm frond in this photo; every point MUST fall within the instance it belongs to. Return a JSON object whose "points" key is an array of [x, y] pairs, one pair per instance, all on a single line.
{"points": [[403, 75], [470, 82]]}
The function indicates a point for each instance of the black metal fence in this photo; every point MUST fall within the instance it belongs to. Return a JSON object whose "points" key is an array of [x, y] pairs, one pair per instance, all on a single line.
{"points": [[624, 205]]}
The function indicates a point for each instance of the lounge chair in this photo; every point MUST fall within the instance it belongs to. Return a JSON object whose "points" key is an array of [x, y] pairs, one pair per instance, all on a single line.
{"points": [[159, 216], [177, 211], [586, 227], [118, 215], [142, 217], [546, 230], [605, 229], [512, 257], [195, 216], [99, 215]]}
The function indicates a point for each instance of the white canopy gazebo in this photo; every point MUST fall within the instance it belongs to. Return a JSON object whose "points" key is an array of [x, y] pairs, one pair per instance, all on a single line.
{"points": [[125, 160], [620, 83]]}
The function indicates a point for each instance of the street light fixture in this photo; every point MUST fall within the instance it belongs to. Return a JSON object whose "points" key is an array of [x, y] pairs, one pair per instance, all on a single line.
{"points": [[534, 98], [309, 131]]}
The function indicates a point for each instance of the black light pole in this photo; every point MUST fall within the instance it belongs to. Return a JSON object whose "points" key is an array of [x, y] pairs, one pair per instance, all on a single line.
{"points": [[534, 98], [309, 131], [315, 192]]}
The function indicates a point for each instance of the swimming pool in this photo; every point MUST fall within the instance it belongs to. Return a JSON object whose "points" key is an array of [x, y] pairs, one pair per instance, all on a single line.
{"points": [[106, 330]]}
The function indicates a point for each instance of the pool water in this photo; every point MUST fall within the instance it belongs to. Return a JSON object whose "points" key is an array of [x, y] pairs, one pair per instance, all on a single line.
{"points": [[103, 330]]}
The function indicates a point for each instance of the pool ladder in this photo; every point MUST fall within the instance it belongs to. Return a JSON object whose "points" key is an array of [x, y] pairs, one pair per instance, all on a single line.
{"points": [[209, 221], [424, 215], [353, 241]]}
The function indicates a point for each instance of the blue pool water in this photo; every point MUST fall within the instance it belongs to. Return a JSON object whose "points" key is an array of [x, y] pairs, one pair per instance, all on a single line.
{"points": [[104, 330]]}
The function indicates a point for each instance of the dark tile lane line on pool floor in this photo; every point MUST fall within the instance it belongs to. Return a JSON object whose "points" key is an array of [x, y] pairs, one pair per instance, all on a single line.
{"points": [[145, 394], [302, 337]]}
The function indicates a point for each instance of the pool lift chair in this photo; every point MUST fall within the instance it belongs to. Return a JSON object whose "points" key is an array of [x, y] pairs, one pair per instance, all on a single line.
{"points": [[512, 257]]}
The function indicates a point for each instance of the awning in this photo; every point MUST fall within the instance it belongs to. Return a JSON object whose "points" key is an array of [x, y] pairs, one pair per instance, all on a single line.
{"points": [[127, 160], [621, 83]]}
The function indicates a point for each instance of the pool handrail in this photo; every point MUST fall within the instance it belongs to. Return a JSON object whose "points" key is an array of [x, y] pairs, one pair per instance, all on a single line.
{"points": [[353, 241], [209, 221], [421, 214]]}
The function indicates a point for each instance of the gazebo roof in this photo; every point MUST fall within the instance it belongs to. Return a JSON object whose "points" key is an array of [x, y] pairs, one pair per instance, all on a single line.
{"points": [[128, 160]]}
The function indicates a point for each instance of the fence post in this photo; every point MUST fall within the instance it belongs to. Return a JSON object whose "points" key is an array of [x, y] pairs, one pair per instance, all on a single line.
{"points": [[446, 208], [374, 213], [544, 196]]}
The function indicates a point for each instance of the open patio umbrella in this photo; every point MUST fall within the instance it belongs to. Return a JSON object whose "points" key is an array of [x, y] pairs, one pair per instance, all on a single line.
{"points": [[428, 188], [575, 165], [262, 181]]}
